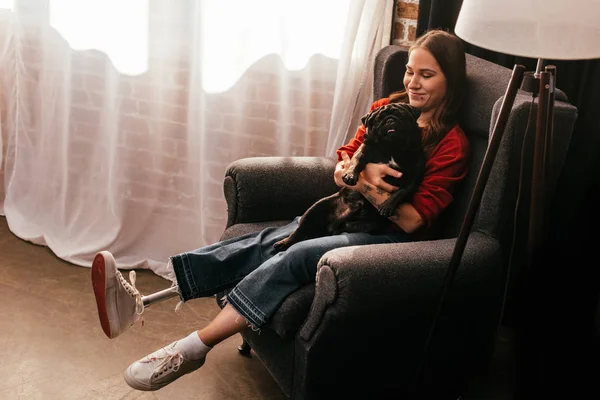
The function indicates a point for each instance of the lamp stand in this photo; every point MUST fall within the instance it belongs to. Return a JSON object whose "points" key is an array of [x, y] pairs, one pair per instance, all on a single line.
{"points": [[543, 176]]}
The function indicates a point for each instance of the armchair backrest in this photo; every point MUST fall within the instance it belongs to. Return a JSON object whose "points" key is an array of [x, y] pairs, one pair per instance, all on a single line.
{"points": [[486, 85]]}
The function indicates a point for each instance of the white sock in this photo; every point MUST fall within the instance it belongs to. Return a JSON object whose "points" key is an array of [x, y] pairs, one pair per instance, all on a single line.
{"points": [[192, 347]]}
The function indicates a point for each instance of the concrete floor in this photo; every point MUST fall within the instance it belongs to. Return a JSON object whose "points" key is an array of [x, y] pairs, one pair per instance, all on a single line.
{"points": [[52, 346]]}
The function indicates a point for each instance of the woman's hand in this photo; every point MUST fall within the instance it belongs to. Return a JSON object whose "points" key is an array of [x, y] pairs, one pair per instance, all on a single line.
{"points": [[340, 169], [373, 174], [377, 191]]}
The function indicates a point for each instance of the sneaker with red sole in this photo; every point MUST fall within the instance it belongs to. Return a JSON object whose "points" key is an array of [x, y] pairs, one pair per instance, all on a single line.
{"points": [[119, 303]]}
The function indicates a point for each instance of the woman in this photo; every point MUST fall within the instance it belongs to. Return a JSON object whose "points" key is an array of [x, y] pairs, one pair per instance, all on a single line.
{"points": [[262, 279]]}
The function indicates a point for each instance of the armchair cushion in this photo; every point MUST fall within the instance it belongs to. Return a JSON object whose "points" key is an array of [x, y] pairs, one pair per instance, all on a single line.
{"points": [[275, 188]]}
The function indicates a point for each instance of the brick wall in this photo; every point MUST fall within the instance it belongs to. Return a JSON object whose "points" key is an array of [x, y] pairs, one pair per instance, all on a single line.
{"points": [[405, 22], [269, 111]]}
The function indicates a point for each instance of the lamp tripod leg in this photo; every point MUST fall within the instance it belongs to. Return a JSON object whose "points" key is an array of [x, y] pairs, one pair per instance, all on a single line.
{"points": [[543, 176]]}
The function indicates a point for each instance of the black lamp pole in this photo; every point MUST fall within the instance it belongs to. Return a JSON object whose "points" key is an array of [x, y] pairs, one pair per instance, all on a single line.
{"points": [[542, 180]]}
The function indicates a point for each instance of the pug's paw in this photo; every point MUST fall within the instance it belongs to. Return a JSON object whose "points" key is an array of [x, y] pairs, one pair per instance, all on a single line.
{"points": [[387, 210], [282, 245], [350, 178]]}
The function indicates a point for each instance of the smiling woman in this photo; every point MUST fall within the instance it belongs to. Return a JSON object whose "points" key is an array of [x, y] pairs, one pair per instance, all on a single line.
{"points": [[435, 82]]}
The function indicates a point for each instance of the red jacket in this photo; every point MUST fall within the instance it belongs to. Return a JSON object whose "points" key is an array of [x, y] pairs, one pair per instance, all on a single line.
{"points": [[445, 166]]}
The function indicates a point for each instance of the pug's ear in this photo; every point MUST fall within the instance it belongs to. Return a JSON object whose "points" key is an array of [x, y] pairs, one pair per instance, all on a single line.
{"points": [[414, 111], [365, 119]]}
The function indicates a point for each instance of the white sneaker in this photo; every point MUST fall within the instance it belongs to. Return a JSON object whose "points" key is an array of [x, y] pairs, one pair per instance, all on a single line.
{"points": [[119, 303], [160, 368]]}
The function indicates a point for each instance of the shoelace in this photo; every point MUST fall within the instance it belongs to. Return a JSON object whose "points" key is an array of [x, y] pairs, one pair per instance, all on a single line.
{"points": [[132, 290], [170, 360]]}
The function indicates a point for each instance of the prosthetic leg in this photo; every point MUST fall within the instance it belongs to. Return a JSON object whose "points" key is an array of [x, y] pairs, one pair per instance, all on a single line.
{"points": [[160, 296]]}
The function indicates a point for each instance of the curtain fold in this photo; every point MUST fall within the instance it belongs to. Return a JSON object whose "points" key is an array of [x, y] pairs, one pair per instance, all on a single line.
{"points": [[116, 132], [366, 33]]}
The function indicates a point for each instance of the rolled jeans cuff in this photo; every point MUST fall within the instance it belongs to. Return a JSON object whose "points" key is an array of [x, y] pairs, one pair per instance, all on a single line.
{"points": [[184, 277], [246, 308]]}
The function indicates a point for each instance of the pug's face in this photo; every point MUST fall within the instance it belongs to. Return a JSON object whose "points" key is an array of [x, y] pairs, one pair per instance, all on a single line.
{"points": [[394, 124]]}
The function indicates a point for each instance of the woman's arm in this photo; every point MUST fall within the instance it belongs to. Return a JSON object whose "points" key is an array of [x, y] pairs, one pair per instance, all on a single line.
{"points": [[406, 216], [377, 191]]}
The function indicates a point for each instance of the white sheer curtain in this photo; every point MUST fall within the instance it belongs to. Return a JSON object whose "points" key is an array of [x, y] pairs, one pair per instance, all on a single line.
{"points": [[119, 117]]}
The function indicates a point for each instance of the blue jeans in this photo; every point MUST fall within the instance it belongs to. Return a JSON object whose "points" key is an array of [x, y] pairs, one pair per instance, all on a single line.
{"points": [[261, 278]]}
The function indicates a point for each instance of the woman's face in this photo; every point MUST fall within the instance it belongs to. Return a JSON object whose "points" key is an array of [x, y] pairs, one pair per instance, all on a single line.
{"points": [[424, 81]]}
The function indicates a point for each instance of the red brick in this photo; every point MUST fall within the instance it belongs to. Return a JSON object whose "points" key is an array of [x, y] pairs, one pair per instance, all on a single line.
{"points": [[94, 82], [250, 126], [77, 80], [135, 190], [96, 99], [216, 172], [180, 181], [274, 111], [300, 117], [412, 34], [407, 10], [212, 121], [217, 207], [87, 115], [135, 158], [170, 129], [137, 140], [168, 146], [319, 118], [133, 124], [176, 97], [127, 105], [80, 97], [170, 164], [219, 138], [254, 109], [145, 108], [143, 91], [219, 103], [181, 78], [81, 147], [145, 176], [269, 93], [175, 113], [321, 100]]}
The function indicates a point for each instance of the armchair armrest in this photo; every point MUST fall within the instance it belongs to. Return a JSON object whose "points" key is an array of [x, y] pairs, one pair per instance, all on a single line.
{"points": [[275, 188], [400, 280]]}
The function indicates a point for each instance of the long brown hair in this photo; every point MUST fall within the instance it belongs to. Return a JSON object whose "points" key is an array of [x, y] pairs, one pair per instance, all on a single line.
{"points": [[449, 52]]}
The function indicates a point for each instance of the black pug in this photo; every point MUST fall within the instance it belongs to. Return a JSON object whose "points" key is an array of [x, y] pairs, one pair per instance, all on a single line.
{"points": [[392, 137]]}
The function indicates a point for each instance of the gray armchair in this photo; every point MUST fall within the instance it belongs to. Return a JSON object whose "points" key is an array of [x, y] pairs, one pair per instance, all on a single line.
{"points": [[359, 332]]}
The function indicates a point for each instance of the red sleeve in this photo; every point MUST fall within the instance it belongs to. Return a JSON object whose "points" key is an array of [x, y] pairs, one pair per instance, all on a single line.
{"points": [[358, 139], [446, 166]]}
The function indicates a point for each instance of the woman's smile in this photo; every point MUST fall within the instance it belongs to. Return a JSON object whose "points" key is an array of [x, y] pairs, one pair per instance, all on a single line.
{"points": [[417, 96]]}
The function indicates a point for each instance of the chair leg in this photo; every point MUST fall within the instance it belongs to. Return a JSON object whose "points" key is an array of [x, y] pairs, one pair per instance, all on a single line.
{"points": [[244, 348]]}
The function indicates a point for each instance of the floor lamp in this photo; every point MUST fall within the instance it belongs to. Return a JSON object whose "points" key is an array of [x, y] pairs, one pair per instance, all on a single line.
{"points": [[540, 29]]}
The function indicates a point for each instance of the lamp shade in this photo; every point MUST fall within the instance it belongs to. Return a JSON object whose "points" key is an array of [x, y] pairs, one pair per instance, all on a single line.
{"points": [[549, 29]]}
